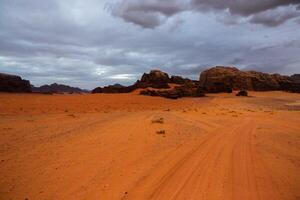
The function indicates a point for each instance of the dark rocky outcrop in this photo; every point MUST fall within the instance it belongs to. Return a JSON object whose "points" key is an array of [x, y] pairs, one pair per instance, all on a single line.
{"points": [[186, 90], [97, 90], [116, 88], [12, 83], [295, 78], [170, 94], [57, 88], [155, 79], [226, 79], [242, 93], [180, 80], [159, 81]]}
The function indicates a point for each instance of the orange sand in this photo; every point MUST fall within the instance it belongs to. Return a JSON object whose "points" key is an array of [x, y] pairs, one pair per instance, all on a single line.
{"points": [[106, 147]]}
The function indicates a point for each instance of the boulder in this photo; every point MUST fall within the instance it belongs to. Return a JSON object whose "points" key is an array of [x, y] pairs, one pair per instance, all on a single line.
{"points": [[242, 93], [226, 79], [12, 83]]}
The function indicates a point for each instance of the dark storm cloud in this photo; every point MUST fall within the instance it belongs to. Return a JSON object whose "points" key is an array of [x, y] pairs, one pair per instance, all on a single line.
{"points": [[243, 7], [81, 43], [276, 17], [152, 13], [147, 13]]}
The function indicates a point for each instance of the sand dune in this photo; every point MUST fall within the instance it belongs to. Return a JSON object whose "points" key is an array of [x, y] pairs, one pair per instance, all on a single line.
{"points": [[108, 147]]}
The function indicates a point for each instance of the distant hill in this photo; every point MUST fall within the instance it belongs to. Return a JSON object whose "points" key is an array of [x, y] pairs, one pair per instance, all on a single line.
{"points": [[57, 88], [13, 83]]}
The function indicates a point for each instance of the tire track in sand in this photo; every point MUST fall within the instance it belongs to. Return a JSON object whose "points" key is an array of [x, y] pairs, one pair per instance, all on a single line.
{"points": [[223, 166]]}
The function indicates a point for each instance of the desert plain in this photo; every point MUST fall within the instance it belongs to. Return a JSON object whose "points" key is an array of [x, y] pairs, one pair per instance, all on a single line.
{"points": [[128, 146]]}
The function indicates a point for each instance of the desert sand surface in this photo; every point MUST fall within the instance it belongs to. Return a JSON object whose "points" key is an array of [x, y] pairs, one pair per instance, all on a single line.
{"points": [[127, 146]]}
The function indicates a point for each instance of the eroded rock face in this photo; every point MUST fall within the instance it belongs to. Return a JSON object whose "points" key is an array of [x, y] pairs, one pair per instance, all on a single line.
{"points": [[224, 79], [12, 83], [186, 90], [155, 76], [155, 79], [180, 80]]}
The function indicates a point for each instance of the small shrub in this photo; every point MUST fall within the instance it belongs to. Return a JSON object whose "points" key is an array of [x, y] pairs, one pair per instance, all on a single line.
{"points": [[161, 132], [158, 121]]}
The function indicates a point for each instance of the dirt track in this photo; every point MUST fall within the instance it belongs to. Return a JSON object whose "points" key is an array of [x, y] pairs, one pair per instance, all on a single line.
{"points": [[106, 147]]}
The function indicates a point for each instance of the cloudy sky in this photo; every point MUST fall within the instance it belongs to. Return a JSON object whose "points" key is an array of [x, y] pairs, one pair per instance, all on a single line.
{"points": [[91, 43]]}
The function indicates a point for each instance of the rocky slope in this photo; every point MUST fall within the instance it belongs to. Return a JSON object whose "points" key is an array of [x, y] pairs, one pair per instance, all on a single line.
{"points": [[226, 79], [12, 83]]}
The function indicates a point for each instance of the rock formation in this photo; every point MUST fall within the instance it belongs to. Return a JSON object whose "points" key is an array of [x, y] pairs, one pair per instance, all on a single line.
{"points": [[155, 79], [116, 88], [12, 83], [159, 81], [97, 90], [186, 90], [179, 80], [57, 88], [224, 79]]}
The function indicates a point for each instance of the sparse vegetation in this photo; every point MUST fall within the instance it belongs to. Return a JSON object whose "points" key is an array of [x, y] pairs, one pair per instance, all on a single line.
{"points": [[161, 132], [158, 121]]}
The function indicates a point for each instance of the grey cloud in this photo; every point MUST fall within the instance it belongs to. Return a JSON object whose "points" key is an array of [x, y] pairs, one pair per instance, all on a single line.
{"points": [[276, 17], [243, 7], [146, 20], [147, 13], [153, 13]]}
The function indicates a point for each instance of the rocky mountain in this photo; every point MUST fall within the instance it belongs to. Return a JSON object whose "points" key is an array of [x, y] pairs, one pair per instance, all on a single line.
{"points": [[57, 88], [226, 79], [13, 83]]}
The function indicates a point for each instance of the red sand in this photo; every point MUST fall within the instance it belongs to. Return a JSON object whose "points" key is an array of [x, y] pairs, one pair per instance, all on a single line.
{"points": [[106, 147]]}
